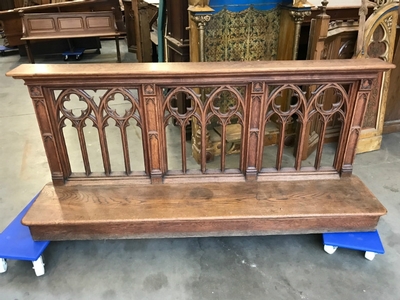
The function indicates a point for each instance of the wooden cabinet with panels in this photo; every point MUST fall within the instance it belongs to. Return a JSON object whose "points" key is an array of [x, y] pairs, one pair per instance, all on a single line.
{"points": [[177, 35], [12, 24]]}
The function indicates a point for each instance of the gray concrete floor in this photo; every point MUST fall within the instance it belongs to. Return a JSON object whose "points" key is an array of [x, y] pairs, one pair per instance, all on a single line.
{"points": [[271, 267]]}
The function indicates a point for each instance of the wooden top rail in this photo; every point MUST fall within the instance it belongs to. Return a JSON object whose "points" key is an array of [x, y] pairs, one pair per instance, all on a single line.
{"points": [[307, 70], [256, 92]]}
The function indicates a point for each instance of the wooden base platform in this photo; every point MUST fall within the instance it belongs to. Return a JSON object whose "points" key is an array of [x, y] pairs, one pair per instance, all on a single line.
{"points": [[202, 209]]}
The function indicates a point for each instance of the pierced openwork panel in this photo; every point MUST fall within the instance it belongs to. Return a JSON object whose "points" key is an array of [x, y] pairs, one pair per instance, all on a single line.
{"points": [[379, 42], [377, 48], [209, 137], [292, 110], [98, 119], [213, 111], [244, 36], [243, 118]]}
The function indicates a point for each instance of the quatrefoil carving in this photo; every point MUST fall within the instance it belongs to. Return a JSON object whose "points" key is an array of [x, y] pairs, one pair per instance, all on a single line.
{"points": [[378, 47]]}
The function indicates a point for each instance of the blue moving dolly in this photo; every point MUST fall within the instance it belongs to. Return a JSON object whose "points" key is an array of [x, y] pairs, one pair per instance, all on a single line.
{"points": [[369, 242], [16, 243]]}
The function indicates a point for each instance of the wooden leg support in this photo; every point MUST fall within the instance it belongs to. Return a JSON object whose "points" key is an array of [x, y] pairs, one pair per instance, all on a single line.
{"points": [[118, 51], [29, 52]]}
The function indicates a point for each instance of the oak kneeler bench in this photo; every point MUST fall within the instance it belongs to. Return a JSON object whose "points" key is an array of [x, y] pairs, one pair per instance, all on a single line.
{"points": [[169, 199], [46, 26], [202, 209]]}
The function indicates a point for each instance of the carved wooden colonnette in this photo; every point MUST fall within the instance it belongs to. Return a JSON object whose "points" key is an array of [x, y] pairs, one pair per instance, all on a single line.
{"points": [[262, 194]]}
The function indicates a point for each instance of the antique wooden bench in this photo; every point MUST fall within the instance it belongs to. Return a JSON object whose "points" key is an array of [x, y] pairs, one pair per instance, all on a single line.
{"points": [[47, 26], [125, 112]]}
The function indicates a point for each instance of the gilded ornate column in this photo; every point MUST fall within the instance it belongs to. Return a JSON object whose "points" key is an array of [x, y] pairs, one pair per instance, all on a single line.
{"points": [[298, 16], [301, 3], [200, 15], [201, 20]]}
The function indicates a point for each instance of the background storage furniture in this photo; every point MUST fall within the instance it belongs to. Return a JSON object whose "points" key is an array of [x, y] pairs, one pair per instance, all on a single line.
{"points": [[47, 26]]}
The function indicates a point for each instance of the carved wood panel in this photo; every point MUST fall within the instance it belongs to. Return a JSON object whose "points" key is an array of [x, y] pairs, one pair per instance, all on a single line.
{"points": [[378, 42], [375, 39], [96, 107], [145, 108], [68, 23], [147, 98], [392, 115]]}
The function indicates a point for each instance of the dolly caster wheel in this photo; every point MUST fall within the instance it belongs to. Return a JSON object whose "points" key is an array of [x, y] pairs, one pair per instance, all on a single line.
{"points": [[38, 266], [329, 249], [369, 255], [3, 265]]}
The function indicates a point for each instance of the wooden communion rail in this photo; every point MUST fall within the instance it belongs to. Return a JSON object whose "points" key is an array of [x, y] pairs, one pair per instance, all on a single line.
{"points": [[255, 198]]}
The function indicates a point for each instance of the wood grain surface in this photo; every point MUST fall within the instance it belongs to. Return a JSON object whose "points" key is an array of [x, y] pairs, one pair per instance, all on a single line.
{"points": [[230, 69], [209, 209]]}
